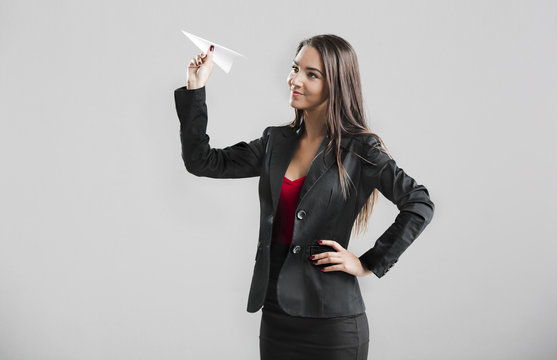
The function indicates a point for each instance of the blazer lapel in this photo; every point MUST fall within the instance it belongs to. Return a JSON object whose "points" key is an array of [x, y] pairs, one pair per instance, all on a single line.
{"points": [[282, 154], [319, 166]]}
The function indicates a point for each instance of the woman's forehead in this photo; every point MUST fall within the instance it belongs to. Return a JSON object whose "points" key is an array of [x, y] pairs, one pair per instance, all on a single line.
{"points": [[309, 57]]}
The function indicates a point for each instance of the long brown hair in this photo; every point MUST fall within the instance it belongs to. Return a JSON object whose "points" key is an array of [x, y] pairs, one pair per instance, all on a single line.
{"points": [[345, 112]]}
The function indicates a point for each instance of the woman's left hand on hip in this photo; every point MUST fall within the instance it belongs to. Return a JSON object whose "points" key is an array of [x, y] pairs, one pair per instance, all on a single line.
{"points": [[340, 260]]}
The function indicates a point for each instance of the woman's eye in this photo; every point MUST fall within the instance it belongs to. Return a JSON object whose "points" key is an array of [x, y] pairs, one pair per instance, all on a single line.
{"points": [[295, 68]]}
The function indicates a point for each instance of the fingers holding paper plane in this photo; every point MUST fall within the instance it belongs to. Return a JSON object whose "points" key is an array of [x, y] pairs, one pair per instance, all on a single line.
{"points": [[200, 68], [224, 57]]}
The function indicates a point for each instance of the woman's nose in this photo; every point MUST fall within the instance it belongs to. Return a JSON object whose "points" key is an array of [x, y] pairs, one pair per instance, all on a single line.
{"points": [[295, 80]]}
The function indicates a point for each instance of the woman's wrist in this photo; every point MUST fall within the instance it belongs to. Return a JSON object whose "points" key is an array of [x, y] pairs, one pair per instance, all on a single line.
{"points": [[192, 85]]}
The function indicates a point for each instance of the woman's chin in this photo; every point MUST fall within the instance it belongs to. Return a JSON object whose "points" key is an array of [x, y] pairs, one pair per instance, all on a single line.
{"points": [[294, 105]]}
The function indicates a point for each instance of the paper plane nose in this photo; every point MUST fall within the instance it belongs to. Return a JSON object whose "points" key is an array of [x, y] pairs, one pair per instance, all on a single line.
{"points": [[222, 56]]}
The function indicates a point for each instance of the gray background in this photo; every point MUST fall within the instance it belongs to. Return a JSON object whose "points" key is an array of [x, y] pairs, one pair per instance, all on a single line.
{"points": [[110, 250]]}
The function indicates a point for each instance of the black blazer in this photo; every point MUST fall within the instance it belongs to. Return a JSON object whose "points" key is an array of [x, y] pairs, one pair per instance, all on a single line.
{"points": [[321, 212]]}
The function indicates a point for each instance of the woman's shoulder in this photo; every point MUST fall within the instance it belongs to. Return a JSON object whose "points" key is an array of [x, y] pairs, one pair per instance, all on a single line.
{"points": [[365, 140], [369, 148], [284, 130]]}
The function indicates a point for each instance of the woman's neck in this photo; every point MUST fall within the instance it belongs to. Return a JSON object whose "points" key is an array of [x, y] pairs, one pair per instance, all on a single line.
{"points": [[315, 125]]}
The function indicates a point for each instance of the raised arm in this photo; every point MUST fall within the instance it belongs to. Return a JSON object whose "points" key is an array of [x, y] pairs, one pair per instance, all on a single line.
{"points": [[237, 161], [412, 199]]}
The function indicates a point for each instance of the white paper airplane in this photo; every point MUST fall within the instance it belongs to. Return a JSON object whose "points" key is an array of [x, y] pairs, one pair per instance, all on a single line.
{"points": [[222, 56]]}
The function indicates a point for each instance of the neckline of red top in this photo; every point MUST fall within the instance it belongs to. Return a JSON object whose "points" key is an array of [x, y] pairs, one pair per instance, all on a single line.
{"points": [[294, 181]]}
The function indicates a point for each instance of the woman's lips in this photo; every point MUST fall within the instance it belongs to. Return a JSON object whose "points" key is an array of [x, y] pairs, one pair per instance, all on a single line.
{"points": [[295, 93]]}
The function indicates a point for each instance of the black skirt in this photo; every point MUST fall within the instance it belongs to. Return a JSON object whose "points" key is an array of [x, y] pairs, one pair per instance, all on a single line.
{"points": [[282, 336]]}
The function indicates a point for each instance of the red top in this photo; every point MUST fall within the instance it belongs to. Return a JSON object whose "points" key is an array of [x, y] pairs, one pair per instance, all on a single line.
{"points": [[283, 225]]}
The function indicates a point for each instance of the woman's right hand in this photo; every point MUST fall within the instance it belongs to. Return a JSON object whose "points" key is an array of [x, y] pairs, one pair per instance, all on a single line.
{"points": [[200, 68]]}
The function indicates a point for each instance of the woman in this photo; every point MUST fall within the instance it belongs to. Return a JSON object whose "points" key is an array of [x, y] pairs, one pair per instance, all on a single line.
{"points": [[319, 176]]}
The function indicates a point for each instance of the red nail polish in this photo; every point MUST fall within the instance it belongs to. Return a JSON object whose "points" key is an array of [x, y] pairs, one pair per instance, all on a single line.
{"points": [[211, 48], [315, 262], [319, 241]]}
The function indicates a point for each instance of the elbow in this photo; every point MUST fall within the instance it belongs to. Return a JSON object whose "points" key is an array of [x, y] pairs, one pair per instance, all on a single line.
{"points": [[423, 206], [428, 211], [419, 202], [422, 211], [192, 170], [191, 166], [427, 206]]}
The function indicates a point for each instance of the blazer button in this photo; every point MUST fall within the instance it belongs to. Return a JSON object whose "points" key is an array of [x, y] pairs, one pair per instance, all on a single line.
{"points": [[296, 249], [301, 214]]}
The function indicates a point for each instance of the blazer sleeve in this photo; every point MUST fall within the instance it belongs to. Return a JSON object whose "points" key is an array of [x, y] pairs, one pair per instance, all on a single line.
{"points": [[411, 198], [236, 161]]}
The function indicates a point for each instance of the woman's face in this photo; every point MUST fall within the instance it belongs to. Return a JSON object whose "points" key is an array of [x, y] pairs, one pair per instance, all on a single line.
{"points": [[307, 83]]}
